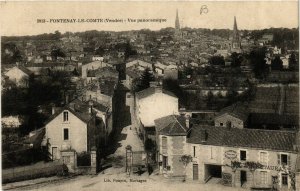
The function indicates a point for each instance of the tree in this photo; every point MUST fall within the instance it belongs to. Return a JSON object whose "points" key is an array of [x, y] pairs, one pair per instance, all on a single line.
{"points": [[217, 60], [236, 59], [185, 159], [257, 60], [57, 52], [144, 81], [293, 64], [277, 63]]}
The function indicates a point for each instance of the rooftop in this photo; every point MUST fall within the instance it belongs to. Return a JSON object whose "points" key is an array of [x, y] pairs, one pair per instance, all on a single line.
{"points": [[246, 138], [237, 110], [152, 90], [171, 125]]}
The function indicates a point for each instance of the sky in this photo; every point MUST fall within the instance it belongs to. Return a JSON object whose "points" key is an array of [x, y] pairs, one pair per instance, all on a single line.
{"points": [[20, 18]]}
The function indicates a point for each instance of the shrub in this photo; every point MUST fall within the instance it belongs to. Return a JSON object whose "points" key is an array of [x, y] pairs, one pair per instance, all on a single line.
{"points": [[84, 159]]}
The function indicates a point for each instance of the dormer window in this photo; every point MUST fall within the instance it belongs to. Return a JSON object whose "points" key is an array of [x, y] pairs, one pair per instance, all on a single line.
{"points": [[66, 116]]}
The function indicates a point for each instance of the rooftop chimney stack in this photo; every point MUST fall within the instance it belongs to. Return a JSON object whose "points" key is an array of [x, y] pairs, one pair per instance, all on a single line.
{"points": [[203, 135]]}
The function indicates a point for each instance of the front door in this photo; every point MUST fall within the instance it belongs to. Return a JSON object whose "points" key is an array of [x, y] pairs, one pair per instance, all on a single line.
{"points": [[243, 177], [54, 153], [195, 172]]}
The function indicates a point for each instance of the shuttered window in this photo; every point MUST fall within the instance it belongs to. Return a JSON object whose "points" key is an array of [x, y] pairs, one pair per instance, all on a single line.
{"points": [[263, 177], [263, 158]]}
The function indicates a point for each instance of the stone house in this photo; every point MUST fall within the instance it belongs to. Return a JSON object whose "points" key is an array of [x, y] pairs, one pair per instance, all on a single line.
{"points": [[235, 116], [153, 103], [214, 148], [19, 75], [171, 134], [73, 129]]}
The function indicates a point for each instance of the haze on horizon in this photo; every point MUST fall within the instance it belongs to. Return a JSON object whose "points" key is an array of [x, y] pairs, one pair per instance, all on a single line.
{"points": [[19, 18]]}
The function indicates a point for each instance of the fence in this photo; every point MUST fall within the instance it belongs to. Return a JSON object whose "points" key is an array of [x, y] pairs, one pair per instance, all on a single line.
{"points": [[37, 170]]}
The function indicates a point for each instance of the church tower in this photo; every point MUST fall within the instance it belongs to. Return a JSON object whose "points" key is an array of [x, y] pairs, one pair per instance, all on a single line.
{"points": [[236, 41], [177, 26]]}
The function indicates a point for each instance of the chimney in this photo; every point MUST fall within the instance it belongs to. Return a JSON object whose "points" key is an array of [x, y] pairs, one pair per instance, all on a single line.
{"points": [[53, 109], [187, 121], [67, 99], [90, 106], [203, 135]]}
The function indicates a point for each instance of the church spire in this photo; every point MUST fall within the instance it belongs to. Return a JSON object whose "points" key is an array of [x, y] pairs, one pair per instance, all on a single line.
{"points": [[177, 25], [236, 44]]}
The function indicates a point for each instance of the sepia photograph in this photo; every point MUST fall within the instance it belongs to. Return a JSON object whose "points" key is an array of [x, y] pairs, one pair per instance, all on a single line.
{"points": [[149, 95]]}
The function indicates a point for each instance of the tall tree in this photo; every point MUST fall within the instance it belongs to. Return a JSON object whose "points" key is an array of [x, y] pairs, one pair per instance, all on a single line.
{"points": [[145, 80], [257, 60]]}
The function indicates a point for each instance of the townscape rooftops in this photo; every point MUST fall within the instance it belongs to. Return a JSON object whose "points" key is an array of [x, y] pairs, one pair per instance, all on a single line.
{"points": [[243, 138], [152, 90], [237, 110], [171, 125]]}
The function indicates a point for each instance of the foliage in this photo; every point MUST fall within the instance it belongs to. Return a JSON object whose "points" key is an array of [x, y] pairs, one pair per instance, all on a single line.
{"points": [[217, 60], [83, 159], [235, 165], [253, 166], [40, 93], [293, 64], [173, 86], [144, 81], [257, 60], [57, 52], [236, 59], [277, 63], [186, 159]]}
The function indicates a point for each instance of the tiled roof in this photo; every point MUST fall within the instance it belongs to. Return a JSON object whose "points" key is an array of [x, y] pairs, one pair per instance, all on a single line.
{"points": [[246, 138], [149, 91], [25, 70], [171, 125], [237, 110], [76, 107]]}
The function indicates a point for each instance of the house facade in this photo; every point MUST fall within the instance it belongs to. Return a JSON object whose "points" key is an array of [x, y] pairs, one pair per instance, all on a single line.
{"points": [[153, 103], [266, 159], [74, 127]]}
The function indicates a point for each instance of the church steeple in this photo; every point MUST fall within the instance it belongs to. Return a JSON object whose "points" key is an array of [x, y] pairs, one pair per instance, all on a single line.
{"points": [[236, 44], [177, 25]]}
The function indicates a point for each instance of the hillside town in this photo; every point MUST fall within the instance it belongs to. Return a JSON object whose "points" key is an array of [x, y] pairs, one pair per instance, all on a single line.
{"points": [[206, 106]]}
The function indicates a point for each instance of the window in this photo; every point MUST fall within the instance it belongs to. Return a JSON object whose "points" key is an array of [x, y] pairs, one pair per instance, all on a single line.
{"points": [[66, 134], [283, 159], [194, 151], [284, 179], [263, 177], [164, 142], [243, 155], [165, 161], [263, 158], [66, 117], [221, 124]]}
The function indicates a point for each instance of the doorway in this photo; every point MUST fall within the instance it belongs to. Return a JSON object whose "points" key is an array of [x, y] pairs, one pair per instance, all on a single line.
{"points": [[195, 172], [243, 177]]}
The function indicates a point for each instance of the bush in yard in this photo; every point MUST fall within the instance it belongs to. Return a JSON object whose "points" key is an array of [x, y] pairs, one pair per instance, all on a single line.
{"points": [[84, 159]]}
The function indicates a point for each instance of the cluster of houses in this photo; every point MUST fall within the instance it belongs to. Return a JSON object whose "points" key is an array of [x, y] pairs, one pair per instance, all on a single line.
{"points": [[229, 150]]}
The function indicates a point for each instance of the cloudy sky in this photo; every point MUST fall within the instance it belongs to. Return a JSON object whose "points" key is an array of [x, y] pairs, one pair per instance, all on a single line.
{"points": [[20, 18]]}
